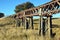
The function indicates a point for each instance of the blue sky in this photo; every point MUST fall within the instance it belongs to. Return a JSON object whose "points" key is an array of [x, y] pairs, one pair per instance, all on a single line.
{"points": [[8, 6]]}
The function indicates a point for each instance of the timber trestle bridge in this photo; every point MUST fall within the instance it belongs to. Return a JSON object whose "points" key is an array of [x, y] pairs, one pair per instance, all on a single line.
{"points": [[45, 10]]}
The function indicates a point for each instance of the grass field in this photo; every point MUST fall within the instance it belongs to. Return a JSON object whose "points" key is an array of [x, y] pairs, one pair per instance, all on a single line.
{"points": [[9, 31]]}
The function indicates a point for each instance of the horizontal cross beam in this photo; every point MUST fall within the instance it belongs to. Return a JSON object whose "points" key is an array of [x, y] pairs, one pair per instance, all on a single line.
{"points": [[34, 11]]}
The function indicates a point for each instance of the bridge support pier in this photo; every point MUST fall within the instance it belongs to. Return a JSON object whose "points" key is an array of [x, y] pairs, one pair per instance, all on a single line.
{"points": [[25, 22], [41, 23], [49, 26], [41, 26], [22, 22], [31, 23]]}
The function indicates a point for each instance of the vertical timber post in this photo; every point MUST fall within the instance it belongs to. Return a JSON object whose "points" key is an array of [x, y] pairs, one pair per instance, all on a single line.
{"points": [[29, 22], [41, 24], [40, 21], [43, 27], [24, 21], [32, 22], [49, 26], [21, 22], [39, 27], [46, 25]]}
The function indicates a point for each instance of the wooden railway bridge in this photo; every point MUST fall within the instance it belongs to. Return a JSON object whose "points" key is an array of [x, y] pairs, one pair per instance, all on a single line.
{"points": [[45, 10]]}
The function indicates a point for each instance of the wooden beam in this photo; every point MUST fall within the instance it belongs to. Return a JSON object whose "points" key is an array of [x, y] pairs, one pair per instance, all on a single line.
{"points": [[49, 27], [58, 3], [25, 20], [32, 23]]}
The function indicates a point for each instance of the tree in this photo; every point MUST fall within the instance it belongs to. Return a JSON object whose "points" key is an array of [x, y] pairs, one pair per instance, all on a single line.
{"points": [[23, 6], [1, 15]]}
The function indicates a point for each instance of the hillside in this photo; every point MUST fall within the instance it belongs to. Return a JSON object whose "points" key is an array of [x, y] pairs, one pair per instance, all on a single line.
{"points": [[9, 31]]}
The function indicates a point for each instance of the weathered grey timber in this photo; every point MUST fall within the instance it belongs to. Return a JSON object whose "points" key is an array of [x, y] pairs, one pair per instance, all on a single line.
{"points": [[45, 10]]}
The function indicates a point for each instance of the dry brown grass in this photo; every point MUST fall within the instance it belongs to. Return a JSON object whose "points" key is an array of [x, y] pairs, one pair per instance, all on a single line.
{"points": [[11, 32]]}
